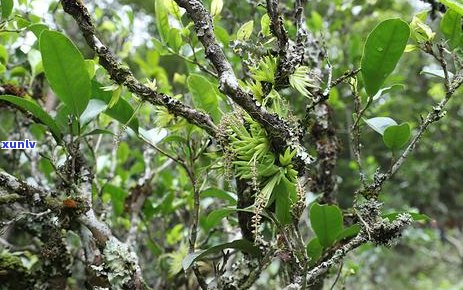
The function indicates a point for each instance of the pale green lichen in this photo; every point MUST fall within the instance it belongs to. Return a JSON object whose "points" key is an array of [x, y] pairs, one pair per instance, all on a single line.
{"points": [[120, 263]]}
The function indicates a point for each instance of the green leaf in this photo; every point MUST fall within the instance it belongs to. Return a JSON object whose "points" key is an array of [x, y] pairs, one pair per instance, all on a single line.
{"points": [[220, 194], [7, 8], [122, 111], [383, 49], [379, 124], [3, 55], [94, 108], [451, 28], [314, 250], [265, 25], [245, 31], [315, 22], [283, 206], [174, 39], [65, 70], [216, 216], [415, 216], [162, 19], [216, 7], [397, 136], [37, 29], [91, 68], [386, 90], [118, 196], [456, 5], [421, 32], [153, 136], [37, 112], [326, 222], [300, 80], [204, 95], [435, 72], [284, 193], [349, 232], [97, 132], [242, 245]]}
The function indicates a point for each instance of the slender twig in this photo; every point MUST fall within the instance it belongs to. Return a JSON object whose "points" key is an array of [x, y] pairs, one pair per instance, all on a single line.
{"points": [[337, 276]]}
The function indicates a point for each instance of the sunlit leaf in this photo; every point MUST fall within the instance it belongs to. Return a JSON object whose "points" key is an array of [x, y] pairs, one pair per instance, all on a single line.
{"points": [[245, 31], [326, 222], [204, 95], [7, 8], [314, 250], [450, 26], [65, 70], [397, 136], [456, 5], [379, 124], [383, 49]]}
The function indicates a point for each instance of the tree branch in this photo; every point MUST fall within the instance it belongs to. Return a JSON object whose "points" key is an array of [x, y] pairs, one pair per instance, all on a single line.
{"points": [[280, 133], [124, 76]]}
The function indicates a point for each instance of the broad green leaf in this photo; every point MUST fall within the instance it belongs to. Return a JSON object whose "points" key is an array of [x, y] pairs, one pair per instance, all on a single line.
{"points": [[242, 245], [174, 39], [94, 108], [122, 111], [162, 19], [349, 232], [265, 25], [379, 124], [216, 7], [91, 67], [97, 132], [37, 29], [220, 194], [175, 139], [35, 61], [450, 26], [435, 72], [62, 120], [411, 47], [7, 8], [315, 22], [216, 216], [118, 196], [415, 216], [397, 136], [204, 95], [284, 194], [245, 31], [326, 222], [383, 49], [456, 5], [3, 55], [314, 250], [153, 136], [387, 90], [37, 112], [65, 70]]}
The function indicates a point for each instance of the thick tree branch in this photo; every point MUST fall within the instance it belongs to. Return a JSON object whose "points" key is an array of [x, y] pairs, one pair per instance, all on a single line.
{"points": [[278, 130], [106, 241], [124, 76]]}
